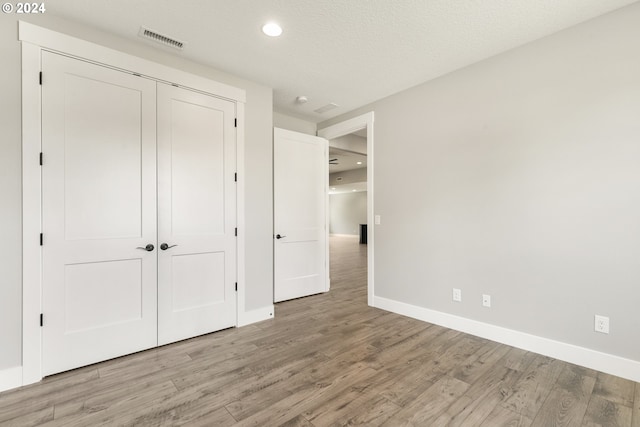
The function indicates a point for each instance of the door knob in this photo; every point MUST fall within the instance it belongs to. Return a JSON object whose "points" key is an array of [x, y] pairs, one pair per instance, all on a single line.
{"points": [[280, 237], [147, 248], [164, 246]]}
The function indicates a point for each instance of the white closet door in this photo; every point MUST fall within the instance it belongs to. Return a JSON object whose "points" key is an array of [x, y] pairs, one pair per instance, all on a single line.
{"points": [[196, 214], [99, 206]]}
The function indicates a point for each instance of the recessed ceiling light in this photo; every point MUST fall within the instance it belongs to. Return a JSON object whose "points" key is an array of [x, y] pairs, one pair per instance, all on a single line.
{"points": [[358, 163], [353, 190], [333, 188], [272, 29]]}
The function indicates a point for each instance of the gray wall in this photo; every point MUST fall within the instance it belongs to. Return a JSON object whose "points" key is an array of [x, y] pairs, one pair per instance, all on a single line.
{"points": [[348, 177], [346, 212], [519, 177], [10, 197], [284, 121], [350, 142], [258, 167]]}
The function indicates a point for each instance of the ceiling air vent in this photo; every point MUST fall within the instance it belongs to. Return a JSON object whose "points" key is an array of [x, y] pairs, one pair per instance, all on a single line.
{"points": [[160, 38], [326, 108]]}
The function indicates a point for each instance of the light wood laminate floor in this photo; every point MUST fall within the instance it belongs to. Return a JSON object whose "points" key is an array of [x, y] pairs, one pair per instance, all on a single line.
{"points": [[329, 360]]}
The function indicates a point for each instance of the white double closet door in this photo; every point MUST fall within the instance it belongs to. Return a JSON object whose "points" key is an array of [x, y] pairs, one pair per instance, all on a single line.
{"points": [[138, 213]]}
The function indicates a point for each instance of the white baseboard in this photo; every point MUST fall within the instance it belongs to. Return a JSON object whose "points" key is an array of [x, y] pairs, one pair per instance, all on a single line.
{"points": [[258, 315], [608, 363], [10, 378]]}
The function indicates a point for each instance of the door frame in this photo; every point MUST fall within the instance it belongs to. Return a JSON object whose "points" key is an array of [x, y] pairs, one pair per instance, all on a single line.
{"points": [[364, 121], [34, 40]]}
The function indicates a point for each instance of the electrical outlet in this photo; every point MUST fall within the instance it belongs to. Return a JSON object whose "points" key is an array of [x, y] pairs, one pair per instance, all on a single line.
{"points": [[457, 295], [486, 300], [376, 219], [601, 324]]}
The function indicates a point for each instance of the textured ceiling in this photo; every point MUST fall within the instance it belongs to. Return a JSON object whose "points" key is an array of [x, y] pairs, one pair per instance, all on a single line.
{"points": [[350, 52]]}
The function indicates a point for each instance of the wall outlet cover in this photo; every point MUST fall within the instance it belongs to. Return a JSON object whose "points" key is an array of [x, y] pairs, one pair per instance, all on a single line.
{"points": [[457, 295], [601, 324], [486, 300]]}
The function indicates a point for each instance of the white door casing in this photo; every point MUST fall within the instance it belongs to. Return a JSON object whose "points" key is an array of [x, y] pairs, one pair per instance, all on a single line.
{"points": [[196, 214], [99, 206], [300, 175], [364, 121]]}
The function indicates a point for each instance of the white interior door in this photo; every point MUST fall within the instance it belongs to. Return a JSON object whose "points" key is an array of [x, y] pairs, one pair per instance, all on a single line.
{"points": [[196, 214], [300, 178], [99, 208]]}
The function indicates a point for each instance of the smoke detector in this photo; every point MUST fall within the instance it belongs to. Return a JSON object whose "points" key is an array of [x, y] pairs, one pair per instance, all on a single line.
{"points": [[163, 39]]}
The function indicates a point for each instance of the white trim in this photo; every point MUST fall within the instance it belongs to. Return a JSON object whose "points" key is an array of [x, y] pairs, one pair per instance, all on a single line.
{"points": [[610, 364], [34, 40], [240, 219], [31, 216], [327, 213], [344, 128], [257, 315], [87, 51], [10, 378]]}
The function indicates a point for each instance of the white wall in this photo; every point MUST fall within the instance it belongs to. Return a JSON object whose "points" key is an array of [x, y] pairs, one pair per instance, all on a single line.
{"points": [[346, 212], [519, 177], [258, 146], [295, 124]]}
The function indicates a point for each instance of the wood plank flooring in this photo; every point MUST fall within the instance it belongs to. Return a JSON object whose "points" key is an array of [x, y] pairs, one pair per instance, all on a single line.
{"points": [[329, 360]]}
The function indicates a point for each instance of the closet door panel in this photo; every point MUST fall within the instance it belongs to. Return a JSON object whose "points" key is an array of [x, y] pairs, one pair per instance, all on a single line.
{"points": [[196, 214], [99, 206]]}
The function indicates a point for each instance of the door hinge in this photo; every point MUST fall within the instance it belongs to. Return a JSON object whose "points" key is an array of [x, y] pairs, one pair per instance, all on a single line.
{"points": [[40, 78], [235, 177], [235, 123], [236, 231], [40, 158], [41, 319], [41, 239], [236, 286]]}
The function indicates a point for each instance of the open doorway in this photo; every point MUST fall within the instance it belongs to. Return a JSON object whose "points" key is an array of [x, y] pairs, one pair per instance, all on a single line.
{"points": [[347, 212], [350, 190]]}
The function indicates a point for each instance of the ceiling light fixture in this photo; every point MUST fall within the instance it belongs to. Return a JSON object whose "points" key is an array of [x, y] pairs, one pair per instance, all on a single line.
{"points": [[358, 163], [272, 29], [302, 99]]}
